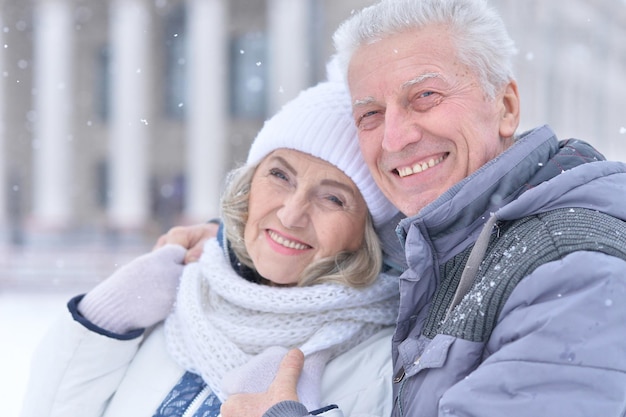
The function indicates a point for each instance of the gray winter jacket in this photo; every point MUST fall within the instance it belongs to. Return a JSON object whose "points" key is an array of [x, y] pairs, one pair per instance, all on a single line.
{"points": [[539, 327], [540, 332]]}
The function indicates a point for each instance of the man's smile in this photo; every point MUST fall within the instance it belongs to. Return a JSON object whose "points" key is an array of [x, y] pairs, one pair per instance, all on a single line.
{"points": [[420, 166]]}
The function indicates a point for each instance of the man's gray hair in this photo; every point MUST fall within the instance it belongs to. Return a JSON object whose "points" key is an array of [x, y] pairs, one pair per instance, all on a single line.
{"points": [[476, 29]]}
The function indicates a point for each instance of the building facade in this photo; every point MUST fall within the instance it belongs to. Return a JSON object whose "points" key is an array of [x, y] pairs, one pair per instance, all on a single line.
{"points": [[124, 115]]}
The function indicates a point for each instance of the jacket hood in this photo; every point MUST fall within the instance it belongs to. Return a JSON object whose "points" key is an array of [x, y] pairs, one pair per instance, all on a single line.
{"points": [[594, 186], [537, 174]]}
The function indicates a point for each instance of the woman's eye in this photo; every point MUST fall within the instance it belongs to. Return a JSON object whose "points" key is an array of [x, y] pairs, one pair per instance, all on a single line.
{"points": [[336, 200], [274, 172]]}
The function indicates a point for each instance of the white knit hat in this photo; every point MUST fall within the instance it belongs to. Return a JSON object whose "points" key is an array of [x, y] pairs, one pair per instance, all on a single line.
{"points": [[319, 122]]}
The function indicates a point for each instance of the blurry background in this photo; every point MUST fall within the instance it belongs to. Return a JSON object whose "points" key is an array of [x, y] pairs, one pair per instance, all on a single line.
{"points": [[119, 118]]}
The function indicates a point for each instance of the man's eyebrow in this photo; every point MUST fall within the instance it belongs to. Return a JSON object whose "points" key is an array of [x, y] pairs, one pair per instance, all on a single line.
{"points": [[363, 102], [420, 79], [417, 80]]}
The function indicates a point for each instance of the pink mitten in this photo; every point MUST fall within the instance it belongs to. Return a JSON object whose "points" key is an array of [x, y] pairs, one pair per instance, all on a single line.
{"points": [[139, 294]]}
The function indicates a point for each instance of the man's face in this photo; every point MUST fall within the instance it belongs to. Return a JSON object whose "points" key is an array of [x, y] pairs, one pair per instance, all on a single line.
{"points": [[424, 121]]}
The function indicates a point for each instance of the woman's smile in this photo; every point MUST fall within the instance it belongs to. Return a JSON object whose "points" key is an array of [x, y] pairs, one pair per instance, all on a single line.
{"points": [[285, 243]]}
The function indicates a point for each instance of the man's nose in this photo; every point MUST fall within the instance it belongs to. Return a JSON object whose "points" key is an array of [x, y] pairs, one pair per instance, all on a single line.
{"points": [[400, 129]]}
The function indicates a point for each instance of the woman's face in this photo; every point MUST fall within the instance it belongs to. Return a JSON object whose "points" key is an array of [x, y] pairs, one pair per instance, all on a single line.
{"points": [[301, 209]]}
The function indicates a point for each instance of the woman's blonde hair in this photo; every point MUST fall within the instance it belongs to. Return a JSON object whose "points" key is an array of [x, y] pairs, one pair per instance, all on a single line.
{"points": [[356, 269]]}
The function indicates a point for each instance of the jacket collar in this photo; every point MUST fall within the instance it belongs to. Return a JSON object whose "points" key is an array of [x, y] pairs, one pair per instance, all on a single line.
{"points": [[242, 270], [454, 220]]}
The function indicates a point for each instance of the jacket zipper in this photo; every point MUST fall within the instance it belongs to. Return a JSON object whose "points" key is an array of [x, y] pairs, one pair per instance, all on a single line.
{"points": [[197, 402], [399, 398]]}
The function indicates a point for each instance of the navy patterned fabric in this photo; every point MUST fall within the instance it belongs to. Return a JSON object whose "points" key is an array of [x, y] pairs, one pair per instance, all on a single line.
{"points": [[210, 407], [182, 395]]}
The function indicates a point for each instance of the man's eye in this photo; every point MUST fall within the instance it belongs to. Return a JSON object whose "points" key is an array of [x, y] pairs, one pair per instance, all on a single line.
{"points": [[367, 114], [370, 120], [426, 100]]}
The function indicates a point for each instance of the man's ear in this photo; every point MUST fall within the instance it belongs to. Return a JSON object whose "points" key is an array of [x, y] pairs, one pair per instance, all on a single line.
{"points": [[510, 102]]}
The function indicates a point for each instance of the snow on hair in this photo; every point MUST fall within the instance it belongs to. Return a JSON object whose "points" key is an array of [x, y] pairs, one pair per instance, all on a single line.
{"points": [[476, 29]]}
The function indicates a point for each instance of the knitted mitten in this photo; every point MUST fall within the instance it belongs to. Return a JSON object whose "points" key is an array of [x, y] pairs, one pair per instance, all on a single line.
{"points": [[139, 294], [259, 372]]}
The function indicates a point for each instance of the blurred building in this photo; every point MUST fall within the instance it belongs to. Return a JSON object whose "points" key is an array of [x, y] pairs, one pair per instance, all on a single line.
{"points": [[122, 116]]}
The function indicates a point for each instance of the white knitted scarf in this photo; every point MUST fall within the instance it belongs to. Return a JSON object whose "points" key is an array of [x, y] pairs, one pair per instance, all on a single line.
{"points": [[234, 332]]}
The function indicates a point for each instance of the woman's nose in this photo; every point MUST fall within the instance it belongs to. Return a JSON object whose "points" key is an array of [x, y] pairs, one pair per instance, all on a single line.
{"points": [[294, 212]]}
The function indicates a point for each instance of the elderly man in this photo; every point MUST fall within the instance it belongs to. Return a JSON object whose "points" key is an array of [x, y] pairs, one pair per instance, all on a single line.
{"points": [[513, 301]]}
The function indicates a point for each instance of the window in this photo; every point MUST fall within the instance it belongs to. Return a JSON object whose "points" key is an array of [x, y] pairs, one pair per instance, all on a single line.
{"points": [[248, 81]]}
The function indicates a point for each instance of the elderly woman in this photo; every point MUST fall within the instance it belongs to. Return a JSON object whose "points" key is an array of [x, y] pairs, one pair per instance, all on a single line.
{"points": [[297, 263]]}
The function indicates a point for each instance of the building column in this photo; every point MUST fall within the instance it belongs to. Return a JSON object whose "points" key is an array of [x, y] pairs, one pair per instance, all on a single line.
{"points": [[52, 101], [289, 45], [207, 116], [129, 197], [5, 187], [614, 135]]}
